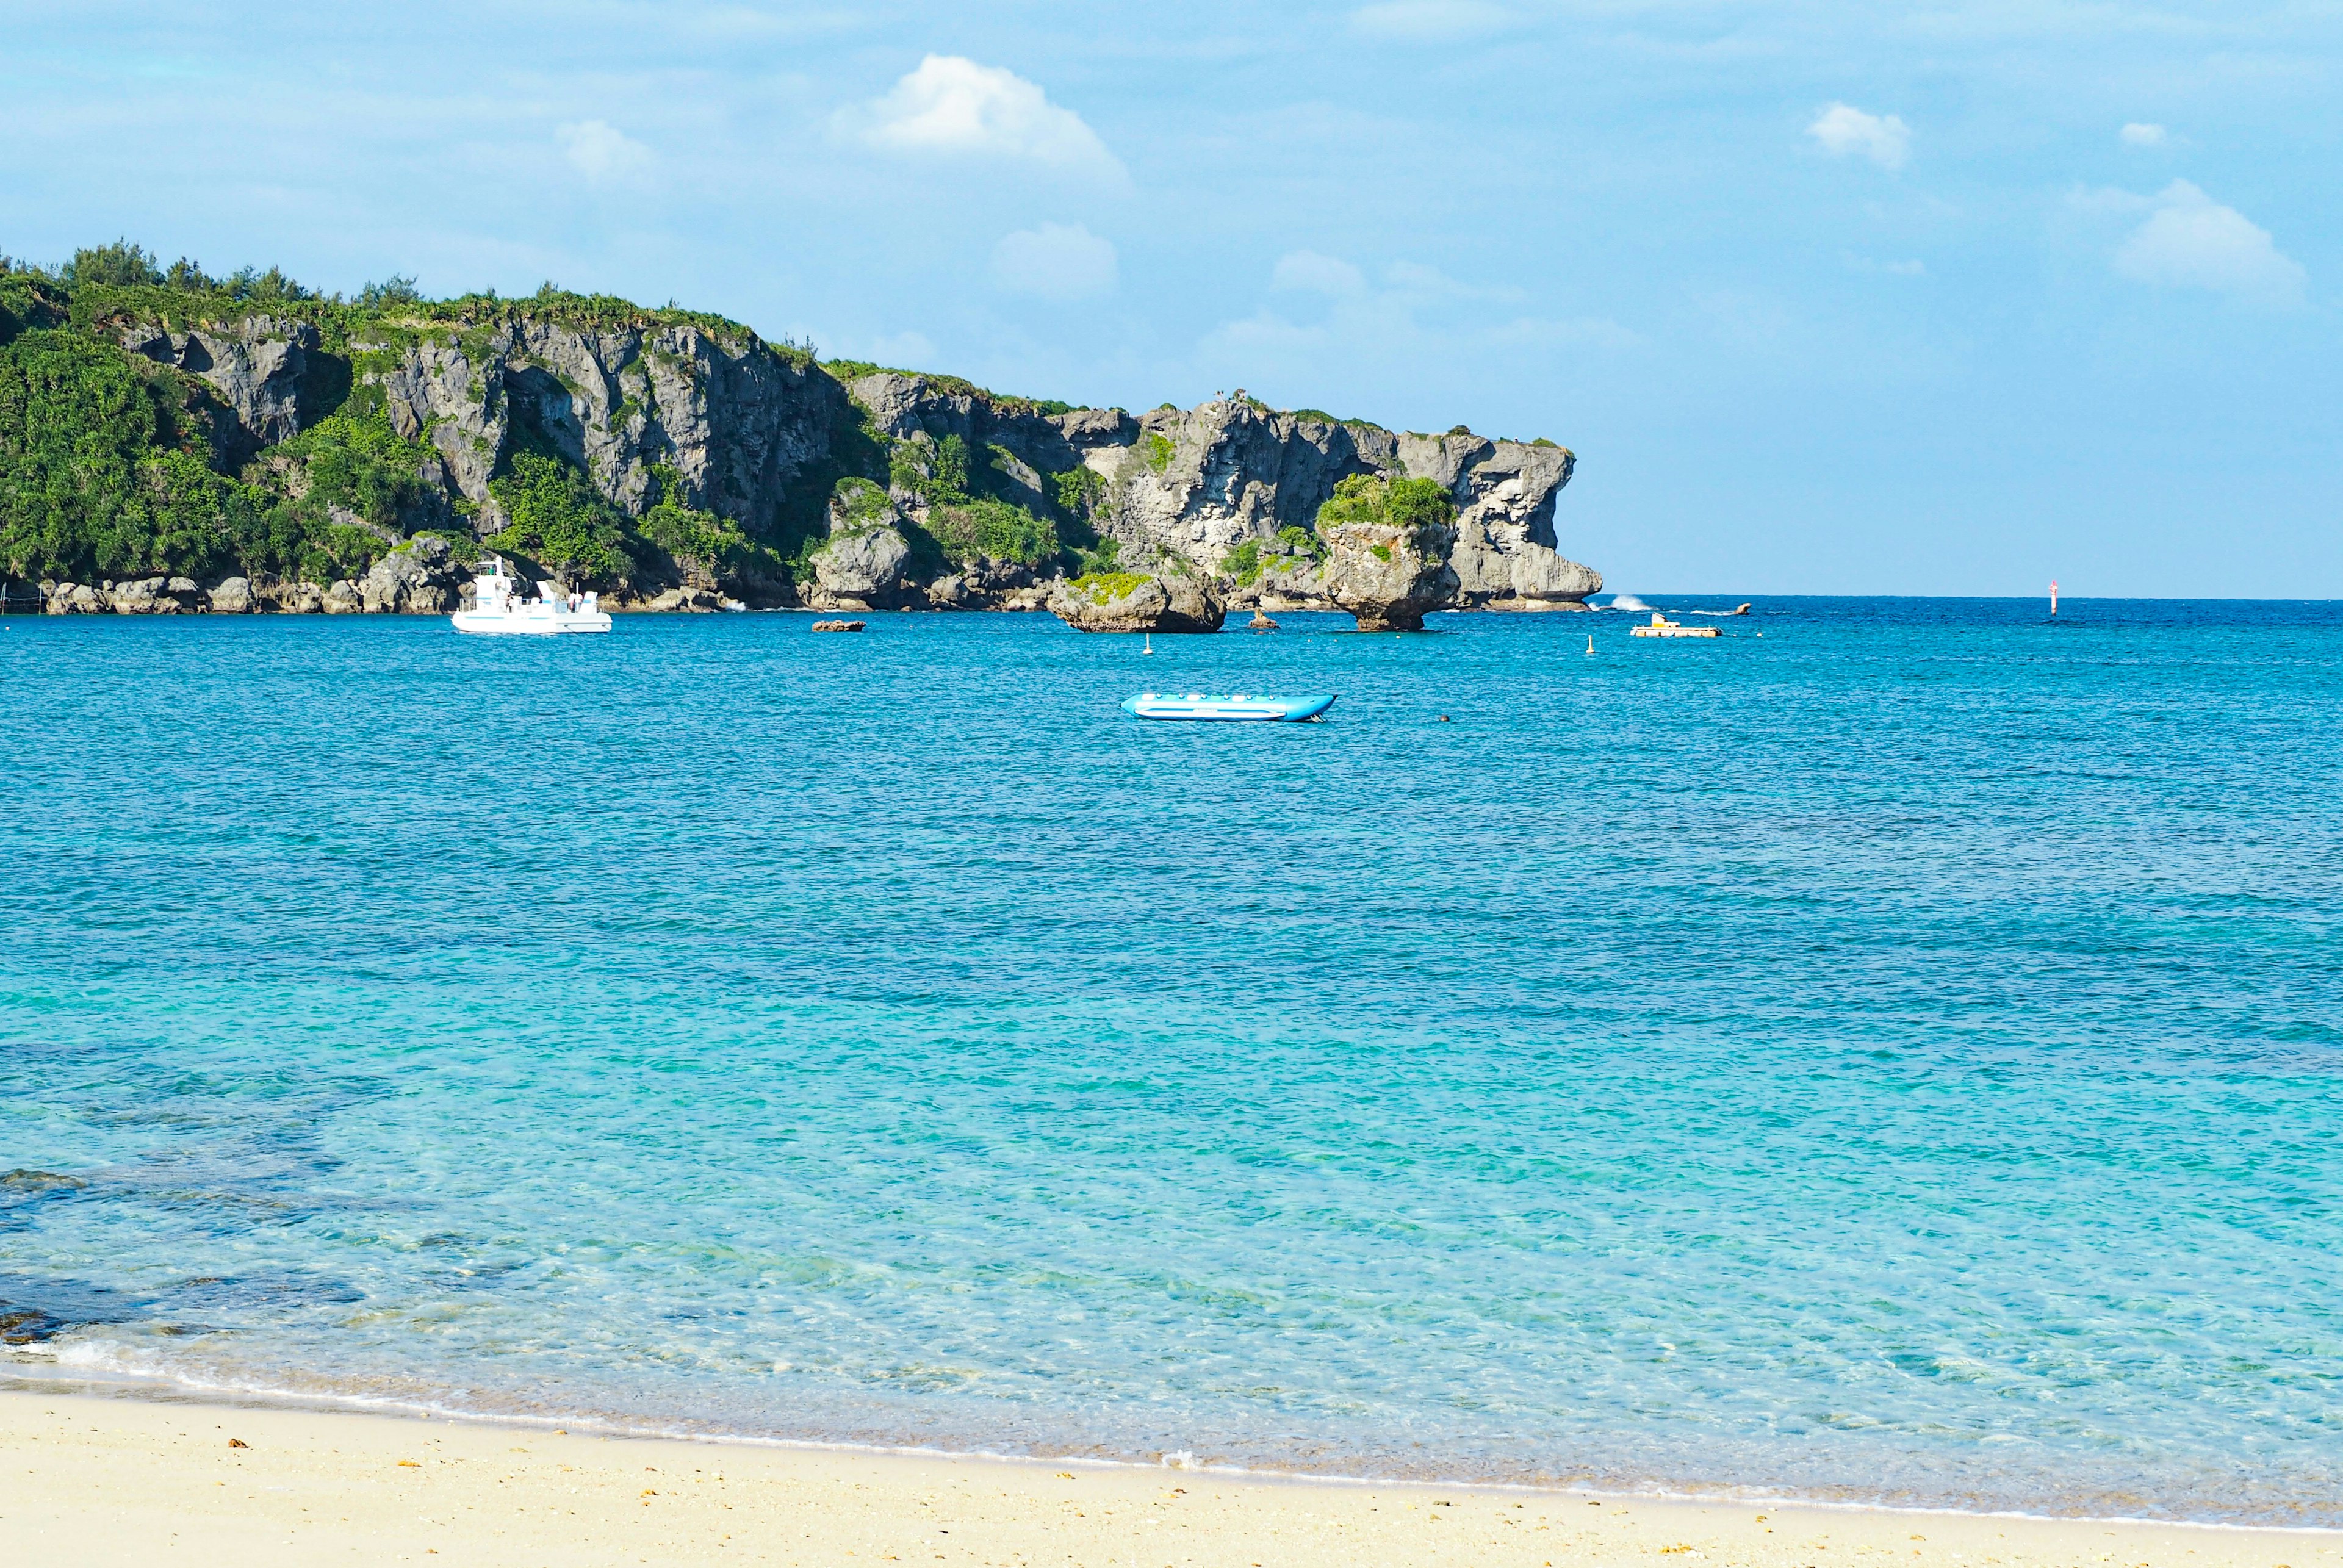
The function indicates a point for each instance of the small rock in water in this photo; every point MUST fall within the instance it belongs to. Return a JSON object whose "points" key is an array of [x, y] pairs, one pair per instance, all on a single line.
{"points": [[1261, 622], [837, 626]]}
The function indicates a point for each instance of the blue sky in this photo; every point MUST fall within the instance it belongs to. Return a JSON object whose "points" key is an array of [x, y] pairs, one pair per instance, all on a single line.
{"points": [[1945, 299]]}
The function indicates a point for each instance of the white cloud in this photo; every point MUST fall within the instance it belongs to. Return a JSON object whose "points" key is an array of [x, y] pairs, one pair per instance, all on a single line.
{"points": [[1432, 21], [2192, 241], [600, 151], [1055, 261], [955, 106], [1845, 130], [2138, 134]]}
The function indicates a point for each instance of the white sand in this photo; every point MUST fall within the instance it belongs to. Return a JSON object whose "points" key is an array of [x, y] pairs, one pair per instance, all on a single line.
{"points": [[100, 1481]]}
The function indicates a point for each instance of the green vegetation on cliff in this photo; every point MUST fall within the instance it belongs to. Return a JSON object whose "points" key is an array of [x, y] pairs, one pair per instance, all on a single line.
{"points": [[1104, 588], [1392, 503], [112, 465], [970, 512], [103, 465]]}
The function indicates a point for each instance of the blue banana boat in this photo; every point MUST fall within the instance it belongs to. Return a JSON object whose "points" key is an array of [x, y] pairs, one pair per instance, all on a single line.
{"points": [[1237, 707]]}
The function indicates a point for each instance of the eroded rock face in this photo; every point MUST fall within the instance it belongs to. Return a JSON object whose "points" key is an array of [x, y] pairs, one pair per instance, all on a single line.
{"points": [[1390, 578], [258, 366], [1199, 483], [696, 600], [863, 570], [740, 423], [343, 599], [420, 576], [231, 596], [1192, 485], [1504, 529], [1545, 580], [1138, 601], [153, 596], [76, 599]]}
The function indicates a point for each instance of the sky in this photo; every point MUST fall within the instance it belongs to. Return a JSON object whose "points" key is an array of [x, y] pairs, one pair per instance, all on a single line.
{"points": [[1946, 298]]}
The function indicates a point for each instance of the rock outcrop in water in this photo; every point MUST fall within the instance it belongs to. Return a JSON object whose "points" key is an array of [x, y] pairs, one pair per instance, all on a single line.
{"points": [[1389, 577], [1138, 601], [420, 577]]}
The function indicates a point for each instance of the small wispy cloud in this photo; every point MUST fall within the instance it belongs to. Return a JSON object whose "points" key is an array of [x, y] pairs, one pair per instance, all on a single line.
{"points": [[2188, 240], [601, 152], [1055, 261], [2140, 134], [954, 106], [1432, 21], [1844, 131]]}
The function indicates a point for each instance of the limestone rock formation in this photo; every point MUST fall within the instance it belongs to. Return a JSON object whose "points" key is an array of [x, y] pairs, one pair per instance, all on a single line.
{"points": [[258, 366], [153, 596], [1138, 601], [651, 403], [862, 570], [76, 599], [1504, 526], [688, 597], [420, 576], [1389, 576], [1201, 483], [741, 425], [231, 596], [1545, 580]]}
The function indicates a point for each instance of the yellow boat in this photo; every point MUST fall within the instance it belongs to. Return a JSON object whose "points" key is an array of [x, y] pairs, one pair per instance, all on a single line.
{"points": [[1662, 626]]}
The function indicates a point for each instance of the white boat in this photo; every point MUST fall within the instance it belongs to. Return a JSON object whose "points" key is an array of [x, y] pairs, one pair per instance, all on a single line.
{"points": [[500, 609], [1236, 707]]}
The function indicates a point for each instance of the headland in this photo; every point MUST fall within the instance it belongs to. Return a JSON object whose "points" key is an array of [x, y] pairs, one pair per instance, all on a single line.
{"points": [[201, 444]]}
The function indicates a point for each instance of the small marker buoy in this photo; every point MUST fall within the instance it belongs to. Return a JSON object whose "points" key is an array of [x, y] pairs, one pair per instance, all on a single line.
{"points": [[1590, 646], [1148, 643]]}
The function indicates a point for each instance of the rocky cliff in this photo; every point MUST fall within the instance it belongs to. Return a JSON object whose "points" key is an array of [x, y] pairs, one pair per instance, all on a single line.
{"points": [[675, 460], [1222, 488], [741, 427]]}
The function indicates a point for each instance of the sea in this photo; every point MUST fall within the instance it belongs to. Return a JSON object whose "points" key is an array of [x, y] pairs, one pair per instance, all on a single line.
{"points": [[1891, 1052]]}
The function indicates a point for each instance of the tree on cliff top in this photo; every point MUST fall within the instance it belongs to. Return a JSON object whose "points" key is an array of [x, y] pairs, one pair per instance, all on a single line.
{"points": [[1393, 503]]}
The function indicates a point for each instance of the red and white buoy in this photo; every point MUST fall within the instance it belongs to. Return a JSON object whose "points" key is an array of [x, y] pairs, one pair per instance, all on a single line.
{"points": [[2054, 596]]}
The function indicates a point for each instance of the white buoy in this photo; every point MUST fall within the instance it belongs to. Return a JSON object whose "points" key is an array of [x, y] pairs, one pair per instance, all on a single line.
{"points": [[2054, 596], [1590, 646], [1148, 644]]}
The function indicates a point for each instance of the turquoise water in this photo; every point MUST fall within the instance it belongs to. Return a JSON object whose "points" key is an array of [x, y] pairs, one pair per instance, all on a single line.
{"points": [[1896, 1057]]}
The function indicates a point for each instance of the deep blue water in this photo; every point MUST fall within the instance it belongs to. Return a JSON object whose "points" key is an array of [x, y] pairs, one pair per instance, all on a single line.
{"points": [[1897, 1056]]}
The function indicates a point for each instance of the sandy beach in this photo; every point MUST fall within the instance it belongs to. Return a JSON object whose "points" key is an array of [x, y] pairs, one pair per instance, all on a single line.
{"points": [[90, 1479]]}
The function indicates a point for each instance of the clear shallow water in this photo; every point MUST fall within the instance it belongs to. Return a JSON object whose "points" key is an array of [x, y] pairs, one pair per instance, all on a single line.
{"points": [[1899, 1057]]}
